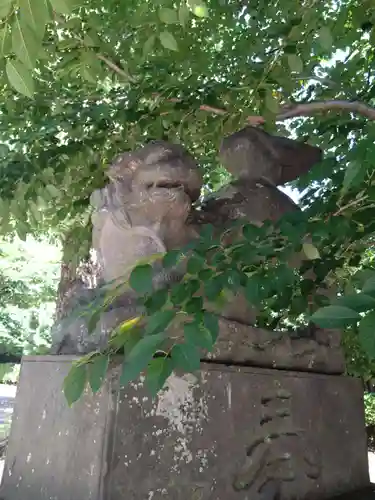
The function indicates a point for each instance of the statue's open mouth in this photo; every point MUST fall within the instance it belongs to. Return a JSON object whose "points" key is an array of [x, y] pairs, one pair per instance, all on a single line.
{"points": [[165, 184]]}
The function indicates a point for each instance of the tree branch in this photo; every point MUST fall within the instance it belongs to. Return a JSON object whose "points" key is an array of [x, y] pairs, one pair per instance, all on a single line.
{"points": [[318, 106], [115, 68], [306, 109]]}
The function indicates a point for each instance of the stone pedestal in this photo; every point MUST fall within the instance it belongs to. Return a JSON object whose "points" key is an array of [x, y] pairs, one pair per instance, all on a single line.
{"points": [[223, 434]]}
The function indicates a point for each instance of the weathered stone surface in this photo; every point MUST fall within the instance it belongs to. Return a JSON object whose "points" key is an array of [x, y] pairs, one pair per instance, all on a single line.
{"points": [[246, 345], [221, 435], [147, 208]]}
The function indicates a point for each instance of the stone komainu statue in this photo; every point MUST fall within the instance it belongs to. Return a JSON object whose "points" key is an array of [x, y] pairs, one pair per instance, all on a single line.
{"points": [[148, 208]]}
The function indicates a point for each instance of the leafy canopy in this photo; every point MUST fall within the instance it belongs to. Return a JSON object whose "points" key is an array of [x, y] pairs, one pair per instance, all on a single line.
{"points": [[84, 80]]}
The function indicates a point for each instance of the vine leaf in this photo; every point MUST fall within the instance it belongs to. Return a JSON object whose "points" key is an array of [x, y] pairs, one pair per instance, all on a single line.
{"points": [[335, 316], [75, 383], [97, 368], [168, 41], [20, 78]]}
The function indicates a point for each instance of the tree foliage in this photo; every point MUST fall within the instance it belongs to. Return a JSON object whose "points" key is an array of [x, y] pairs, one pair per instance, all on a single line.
{"points": [[82, 81], [27, 296]]}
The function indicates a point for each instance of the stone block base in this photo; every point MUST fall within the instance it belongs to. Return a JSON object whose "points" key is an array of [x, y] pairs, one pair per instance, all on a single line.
{"points": [[228, 433]]}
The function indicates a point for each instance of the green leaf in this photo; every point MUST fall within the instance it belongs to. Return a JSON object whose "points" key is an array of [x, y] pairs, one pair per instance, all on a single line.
{"points": [[141, 278], [159, 369], [211, 322], [168, 16], [198, 8], [366, 334], [36, 14], [53, 191], [335, 317], [140, 356], [168, 41], [310, 251], [5, 8], [147, 346], [251, 232], [24, 43], [172, 258], [357, 301], [5, 41], [194, 305], [271, 102], [295, 63], [62, 6], [159, 322], [195, 264], [325, 38], [148, 45], [133, 368], [75, 383], [197, 335], [186, 357], [20, 78], [156, 301], [183, 14], [253, 290], [97, 369], [352, 171], [369, 286]]}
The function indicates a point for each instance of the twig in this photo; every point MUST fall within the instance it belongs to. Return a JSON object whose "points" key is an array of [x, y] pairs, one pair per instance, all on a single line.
{"points": [[299, 109], [115, 68]]}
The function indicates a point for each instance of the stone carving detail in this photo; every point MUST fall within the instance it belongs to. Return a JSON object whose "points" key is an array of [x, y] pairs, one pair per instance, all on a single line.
{"points": [[279, 451], [150, 206]]}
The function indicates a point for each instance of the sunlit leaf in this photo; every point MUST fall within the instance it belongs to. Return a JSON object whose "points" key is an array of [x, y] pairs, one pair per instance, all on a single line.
{"points": [[325, 38], [295, 63], [20, 78], [168, 40], [310, 251], [168, 16], [36, 14], [24, 43]]}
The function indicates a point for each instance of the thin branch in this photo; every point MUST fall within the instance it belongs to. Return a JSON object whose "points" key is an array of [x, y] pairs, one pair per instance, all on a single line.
{"points": [[115, 68], [315, 107], [305, 109]]}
